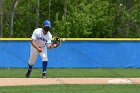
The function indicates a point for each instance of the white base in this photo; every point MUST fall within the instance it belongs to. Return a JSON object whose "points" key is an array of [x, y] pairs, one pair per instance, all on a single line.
{"points": [[120, 81]]}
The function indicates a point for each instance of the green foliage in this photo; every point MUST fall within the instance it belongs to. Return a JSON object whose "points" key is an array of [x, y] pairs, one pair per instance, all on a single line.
{"points": [[81, 18]]}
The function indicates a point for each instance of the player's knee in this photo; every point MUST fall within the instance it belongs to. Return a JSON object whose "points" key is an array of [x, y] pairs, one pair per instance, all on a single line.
{"points": [[45, 59]]}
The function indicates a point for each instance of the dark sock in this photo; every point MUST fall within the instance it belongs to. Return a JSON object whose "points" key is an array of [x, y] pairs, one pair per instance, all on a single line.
{"points": [[44, 64], [30, 67]]}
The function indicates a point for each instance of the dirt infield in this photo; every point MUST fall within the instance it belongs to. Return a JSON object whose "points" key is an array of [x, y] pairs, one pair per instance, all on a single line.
{"points": [[48, 81]]}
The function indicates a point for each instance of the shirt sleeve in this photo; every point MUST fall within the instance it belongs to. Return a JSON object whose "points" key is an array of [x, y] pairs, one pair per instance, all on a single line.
{"points": [[49, 41], [34, 35]]}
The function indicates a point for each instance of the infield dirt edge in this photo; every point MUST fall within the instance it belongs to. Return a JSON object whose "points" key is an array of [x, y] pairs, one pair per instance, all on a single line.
{"points": [[50, 81]]}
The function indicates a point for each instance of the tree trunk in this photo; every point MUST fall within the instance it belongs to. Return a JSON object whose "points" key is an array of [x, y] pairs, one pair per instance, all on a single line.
{"points": [[49, 9], [65, 9], [37, 12], [1, 20], [28, 18], [14, 5], [129, 5]]}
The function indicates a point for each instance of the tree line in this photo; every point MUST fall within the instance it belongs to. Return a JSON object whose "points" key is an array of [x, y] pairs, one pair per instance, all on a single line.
{"points": [[71, 18]]}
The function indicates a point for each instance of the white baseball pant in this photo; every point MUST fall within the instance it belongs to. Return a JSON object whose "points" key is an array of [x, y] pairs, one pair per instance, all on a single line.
{"points": [[34, 54]]}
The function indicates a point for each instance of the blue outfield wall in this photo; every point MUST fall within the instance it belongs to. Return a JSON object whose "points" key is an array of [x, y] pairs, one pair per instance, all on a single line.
{"points": [[75, 54]]}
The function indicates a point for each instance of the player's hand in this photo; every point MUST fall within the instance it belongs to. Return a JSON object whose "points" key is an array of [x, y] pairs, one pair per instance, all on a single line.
{"points": [[56, 45], [56, 42], [39, 50]]}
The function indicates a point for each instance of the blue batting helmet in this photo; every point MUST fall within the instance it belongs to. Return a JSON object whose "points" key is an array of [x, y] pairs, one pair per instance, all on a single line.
{"points": [[47, 23]]}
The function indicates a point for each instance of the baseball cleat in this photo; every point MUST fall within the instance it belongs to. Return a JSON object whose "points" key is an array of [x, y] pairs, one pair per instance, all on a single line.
{"points": [[44, 75], [28, 74]]}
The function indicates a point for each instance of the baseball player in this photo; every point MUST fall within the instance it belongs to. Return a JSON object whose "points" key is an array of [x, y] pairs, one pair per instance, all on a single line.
{"points": [[41, 39]]}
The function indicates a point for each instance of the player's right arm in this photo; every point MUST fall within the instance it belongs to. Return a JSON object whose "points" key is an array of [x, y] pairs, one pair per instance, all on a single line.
{"points": [[35, 46], [34, 37]]}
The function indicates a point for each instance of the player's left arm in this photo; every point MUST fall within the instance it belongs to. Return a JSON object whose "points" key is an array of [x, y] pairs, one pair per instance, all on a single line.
{"points": [[56, 42], [52, 45]]}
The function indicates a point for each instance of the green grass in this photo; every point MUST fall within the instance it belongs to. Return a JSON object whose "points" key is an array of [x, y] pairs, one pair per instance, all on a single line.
{"points": [[52, 73], [72, 89], [80, 72]]}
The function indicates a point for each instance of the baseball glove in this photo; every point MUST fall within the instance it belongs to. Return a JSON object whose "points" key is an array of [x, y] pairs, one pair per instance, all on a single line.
{"points": [[57, 40]]}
